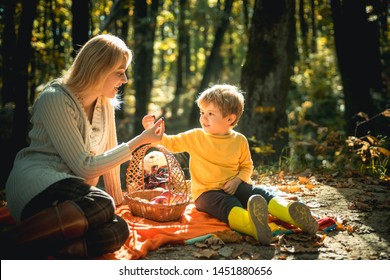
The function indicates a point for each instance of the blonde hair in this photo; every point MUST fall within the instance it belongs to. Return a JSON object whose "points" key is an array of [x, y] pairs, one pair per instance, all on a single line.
{"points": [[99, 56], [228, 99]]}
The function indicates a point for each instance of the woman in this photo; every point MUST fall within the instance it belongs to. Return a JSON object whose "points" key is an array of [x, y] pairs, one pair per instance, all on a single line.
{"points": [[51, 189]]}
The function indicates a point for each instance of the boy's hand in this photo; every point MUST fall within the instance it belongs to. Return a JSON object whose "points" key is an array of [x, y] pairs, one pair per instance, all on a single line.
{"points": [[231, 186], [148, 121], [154, 133]]}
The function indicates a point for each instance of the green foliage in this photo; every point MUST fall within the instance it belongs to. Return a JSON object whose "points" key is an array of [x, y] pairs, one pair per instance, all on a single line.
{"points": [[371, 154], [332, 151], [315, 103]]}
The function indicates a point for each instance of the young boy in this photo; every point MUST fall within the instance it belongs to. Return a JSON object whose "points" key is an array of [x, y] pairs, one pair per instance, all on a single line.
{"points": [[221, 167]]}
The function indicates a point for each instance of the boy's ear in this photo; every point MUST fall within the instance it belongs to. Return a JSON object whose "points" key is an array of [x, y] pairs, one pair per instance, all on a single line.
{"points": [[232, 118]]}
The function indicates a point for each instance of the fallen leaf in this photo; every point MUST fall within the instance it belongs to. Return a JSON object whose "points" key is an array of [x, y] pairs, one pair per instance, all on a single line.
{"points": [[226, 251], [229, 236], [303, 180], [237, 252], [206, 253], [212, 241], [297, 249], [290, 189], [357, 205], [310, 186], [200, 245], [351, 229]]}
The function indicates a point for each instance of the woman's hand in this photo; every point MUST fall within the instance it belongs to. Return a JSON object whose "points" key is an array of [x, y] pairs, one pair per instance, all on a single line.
{"points": [[231, 186]]}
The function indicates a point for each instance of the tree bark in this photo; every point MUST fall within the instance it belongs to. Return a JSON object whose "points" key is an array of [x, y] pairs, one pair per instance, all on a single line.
{"points": [[266, 75], [21, 61], [8, 52], [144, 34], [80, 23], [181, 56], [358, 61], [23, 49], [212, 60]]}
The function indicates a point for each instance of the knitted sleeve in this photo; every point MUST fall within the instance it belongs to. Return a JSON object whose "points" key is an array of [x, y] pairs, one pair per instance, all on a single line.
{"points": [[66, 126]]}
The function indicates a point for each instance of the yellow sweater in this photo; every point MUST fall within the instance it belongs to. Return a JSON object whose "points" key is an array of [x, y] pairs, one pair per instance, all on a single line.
{"points": [[214, 159]]}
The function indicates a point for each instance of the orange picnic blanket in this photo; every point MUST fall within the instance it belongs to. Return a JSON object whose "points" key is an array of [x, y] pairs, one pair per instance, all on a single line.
{"points": [[147, 235]]}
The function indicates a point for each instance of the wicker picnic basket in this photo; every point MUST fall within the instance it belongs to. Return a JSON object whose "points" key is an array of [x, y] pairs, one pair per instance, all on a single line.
{"points": [[175, 189]]}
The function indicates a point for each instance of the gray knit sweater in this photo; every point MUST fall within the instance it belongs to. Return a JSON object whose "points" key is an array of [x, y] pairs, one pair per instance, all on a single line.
{"points": [[65, 144]]}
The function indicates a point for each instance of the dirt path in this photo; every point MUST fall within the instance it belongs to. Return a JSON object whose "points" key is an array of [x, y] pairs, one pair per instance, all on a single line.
{"points": [[361, 206]]}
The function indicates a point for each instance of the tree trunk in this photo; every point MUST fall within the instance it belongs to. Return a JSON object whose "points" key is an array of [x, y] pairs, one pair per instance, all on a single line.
{"points": [[303, 27], [21, 61], [212, 60], [23, 49], [8, 52], [144, 34], [124, 30], [80, 23], [266, 75], [181, 56], [358, 68]]}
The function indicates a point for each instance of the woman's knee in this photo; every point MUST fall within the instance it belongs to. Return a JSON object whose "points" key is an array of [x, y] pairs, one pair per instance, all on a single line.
{"points": [[108, 238], [98, 206]]}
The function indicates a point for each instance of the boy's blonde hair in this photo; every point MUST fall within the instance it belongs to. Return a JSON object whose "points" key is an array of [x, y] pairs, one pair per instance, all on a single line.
{"points": [[228, 98], [98, 57]]}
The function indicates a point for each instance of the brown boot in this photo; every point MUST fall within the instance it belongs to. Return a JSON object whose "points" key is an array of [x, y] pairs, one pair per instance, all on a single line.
{"points": [[63, 221], [75, 249]]}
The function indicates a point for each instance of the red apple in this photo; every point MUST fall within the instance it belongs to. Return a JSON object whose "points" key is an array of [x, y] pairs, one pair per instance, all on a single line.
{"points": [[167, 194], [159, 200]]}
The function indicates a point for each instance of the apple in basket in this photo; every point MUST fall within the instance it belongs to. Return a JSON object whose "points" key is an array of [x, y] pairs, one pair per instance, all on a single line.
{"points": [[174, 198], [160, 199]]}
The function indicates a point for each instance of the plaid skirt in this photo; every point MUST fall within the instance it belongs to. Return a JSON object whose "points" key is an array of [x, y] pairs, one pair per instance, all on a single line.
{"points": [[106, 232]]}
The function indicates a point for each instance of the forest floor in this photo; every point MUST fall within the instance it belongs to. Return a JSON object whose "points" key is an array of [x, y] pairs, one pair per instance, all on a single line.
{"points": [[359, 205]]}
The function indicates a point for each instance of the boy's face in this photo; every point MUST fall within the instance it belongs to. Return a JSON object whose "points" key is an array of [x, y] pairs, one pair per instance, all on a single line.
{"points": [[212, 120]]}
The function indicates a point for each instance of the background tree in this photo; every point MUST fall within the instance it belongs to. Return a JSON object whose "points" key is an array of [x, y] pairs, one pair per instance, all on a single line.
{"points": [[199, 43], [21, 60], [80, 23], [211, 63], [144, 34], [183, 47], [8, 48], [359, 59], [266, 75]]}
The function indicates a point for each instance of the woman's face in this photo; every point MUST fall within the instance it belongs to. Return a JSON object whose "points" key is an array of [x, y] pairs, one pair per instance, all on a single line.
{"points": [[212, 120], [114, 80]]}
